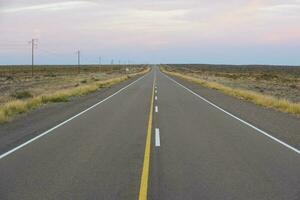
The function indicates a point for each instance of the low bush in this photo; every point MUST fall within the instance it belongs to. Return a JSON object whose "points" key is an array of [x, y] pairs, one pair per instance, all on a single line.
{"points": [[22, 95]]}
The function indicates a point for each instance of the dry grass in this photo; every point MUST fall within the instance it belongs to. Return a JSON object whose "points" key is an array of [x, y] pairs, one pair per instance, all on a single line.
{"points": [[277, 81], [255, 97], [15, 107], [16, 82]]}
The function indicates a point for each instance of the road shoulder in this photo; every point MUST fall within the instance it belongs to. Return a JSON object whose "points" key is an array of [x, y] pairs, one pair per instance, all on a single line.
{"points": [[280, 125], [31, 124]]}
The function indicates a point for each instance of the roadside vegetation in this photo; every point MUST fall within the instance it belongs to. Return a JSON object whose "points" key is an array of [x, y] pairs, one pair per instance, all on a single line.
{"points": [[206, 77], [22, 93]]}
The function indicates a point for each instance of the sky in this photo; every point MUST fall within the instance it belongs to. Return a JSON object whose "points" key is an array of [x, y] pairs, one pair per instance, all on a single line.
{"points": [[151, 31]]}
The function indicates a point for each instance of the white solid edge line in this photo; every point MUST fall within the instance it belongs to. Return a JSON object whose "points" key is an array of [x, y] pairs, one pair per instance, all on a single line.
{"points": [[156, 109], [235, 117], [66, 121], [157, 137]]}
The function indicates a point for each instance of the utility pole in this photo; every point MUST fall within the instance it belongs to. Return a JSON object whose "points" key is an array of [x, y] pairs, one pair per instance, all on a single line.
{"points": [[129, 63], [78, 61], [99, 68], [33, 45]]}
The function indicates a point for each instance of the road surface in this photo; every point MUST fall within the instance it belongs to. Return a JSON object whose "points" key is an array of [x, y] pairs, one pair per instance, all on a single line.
{"points": [[153, 138]]}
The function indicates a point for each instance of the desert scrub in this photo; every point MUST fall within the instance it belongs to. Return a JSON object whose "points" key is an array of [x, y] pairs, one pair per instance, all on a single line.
{"points": [[83, 81], [22, 95], [248, 95], [13, 108]]}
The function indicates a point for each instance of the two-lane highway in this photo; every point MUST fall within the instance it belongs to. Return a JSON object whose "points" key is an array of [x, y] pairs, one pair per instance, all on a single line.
{"points": [[97, 155], [207, 154], [152, 139]]}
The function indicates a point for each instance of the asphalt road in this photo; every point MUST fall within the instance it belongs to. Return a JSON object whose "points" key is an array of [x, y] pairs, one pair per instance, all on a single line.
{"points": [[196, 151]]}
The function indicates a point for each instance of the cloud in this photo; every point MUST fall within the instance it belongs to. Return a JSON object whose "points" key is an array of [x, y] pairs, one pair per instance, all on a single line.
{"points": [[282, 8], [47, 7]]}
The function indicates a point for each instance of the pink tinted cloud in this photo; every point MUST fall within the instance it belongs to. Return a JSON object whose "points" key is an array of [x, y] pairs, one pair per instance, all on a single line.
{"points": [[149, 25]]}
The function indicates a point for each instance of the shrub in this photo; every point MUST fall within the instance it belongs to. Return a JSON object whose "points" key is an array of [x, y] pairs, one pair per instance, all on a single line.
{"points": [[22, 95], [8, 78], [50, 74]]}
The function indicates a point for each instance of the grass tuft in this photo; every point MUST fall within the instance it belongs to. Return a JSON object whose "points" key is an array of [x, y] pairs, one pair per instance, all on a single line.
{"points": [[260, 99]]}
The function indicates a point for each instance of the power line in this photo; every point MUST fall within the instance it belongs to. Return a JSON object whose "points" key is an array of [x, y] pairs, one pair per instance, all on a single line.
{"points": [[13, 44], [51, 52]]}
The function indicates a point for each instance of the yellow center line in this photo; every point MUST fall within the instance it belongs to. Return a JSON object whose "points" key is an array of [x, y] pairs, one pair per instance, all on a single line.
{"points": [[145, 173]]}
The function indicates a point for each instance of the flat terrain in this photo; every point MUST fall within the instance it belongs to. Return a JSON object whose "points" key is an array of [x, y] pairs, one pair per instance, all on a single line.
{"points": [[17, 82], [94, 147], [278, 81]]}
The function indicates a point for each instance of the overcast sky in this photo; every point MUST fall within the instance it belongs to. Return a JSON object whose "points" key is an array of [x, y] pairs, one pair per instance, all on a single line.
{"points": [[153, 31]]}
